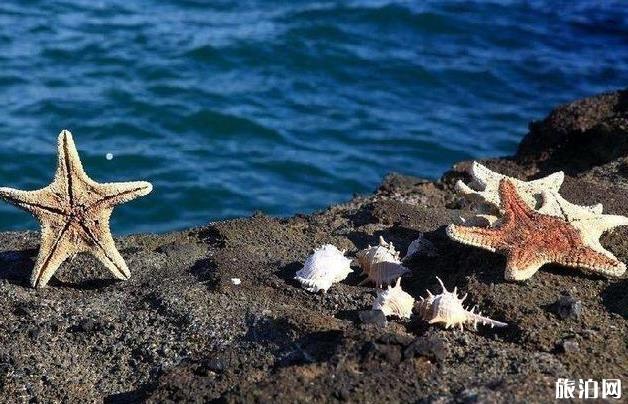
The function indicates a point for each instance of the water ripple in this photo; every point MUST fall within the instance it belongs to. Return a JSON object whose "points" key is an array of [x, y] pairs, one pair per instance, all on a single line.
{"points": [[284, 107]]}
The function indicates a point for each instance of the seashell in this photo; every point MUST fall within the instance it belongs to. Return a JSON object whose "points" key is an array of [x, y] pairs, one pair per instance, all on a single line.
{"points": [[383, 252], [394, 301], [323, 268], [421, 246], [381, 264], [447, 308]]}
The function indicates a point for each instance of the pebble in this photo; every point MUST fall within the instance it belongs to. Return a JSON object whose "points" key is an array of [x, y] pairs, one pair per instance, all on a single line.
{"points": [[569, 346], [568, 307], [430, 347], [376, 317]]}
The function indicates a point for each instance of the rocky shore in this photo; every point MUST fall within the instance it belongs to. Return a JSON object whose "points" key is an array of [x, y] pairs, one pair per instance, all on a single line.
{"points": [[180, 329]]}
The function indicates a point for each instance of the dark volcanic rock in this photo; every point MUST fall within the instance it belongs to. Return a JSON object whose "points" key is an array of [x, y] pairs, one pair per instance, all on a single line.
{"points": [[568, 307], [579, 135], [180, 330], [430, 347], [375, 317]]}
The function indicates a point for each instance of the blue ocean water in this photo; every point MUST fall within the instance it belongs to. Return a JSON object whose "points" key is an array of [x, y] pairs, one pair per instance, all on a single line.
{"points": [[283, 106]]}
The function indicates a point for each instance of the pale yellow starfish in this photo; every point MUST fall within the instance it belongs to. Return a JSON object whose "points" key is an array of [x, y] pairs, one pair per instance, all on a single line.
{"points": [[589, 220], [74, 214], [483, 189], [483, 192]]}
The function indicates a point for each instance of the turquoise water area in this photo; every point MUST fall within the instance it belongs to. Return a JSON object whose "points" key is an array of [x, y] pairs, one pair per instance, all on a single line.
{"points": [[283, 106]]}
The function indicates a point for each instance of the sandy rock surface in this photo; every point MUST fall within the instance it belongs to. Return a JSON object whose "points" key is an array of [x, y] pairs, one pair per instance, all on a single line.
{"points": [[181, 330]]}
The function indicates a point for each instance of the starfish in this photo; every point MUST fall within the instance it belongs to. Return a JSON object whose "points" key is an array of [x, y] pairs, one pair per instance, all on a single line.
{"points": [[530, 239], [74, 214], [483, 191], [589, 220], [484, 187]]}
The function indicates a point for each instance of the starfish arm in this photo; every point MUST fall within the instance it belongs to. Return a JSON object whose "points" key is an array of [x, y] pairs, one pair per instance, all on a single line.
{"points": [[116, 193], [554, 204], [466, 190], [485, 238], [586, 257], [483, 176], [103, 247], [40, 203], [603, 223], [593, 228], [514, 207], [54, 250], [69, 166], [521, 264], [552, 182]]}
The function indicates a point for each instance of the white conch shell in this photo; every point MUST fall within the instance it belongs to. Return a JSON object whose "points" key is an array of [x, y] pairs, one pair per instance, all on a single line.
{"points": [[394, 301], [421, 246], [447, 308], [323, 268], [381, 263]]}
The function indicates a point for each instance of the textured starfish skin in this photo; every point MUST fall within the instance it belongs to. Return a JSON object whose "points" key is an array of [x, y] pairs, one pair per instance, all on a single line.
{"points": [[589, 220], [484, 187], [74, 214], [530, 239]]}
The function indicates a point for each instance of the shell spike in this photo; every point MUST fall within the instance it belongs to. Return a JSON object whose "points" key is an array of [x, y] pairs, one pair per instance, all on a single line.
{"points": [[485, 320], [441, 284]]}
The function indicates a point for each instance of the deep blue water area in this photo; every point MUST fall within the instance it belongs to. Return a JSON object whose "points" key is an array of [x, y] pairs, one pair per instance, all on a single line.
{"points": [[284, 106]]}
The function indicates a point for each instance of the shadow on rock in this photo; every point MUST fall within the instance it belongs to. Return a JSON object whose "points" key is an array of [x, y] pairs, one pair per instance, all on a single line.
{"points": [[362, 216], [615, 298], [315, 347], [288, 271], [400, 236], [204, 270], [90, 284], [211, 235], [282, 338], [17, 265], [134, 396]]}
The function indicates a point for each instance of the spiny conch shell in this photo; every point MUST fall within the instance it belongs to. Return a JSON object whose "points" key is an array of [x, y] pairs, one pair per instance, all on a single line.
{"points": [[323, 268], [394, 301], [447, 308], [421, 246], [381, 263]]}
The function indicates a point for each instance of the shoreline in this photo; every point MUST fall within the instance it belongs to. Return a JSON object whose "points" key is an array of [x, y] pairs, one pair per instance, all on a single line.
{"points": [[180, 329]]}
